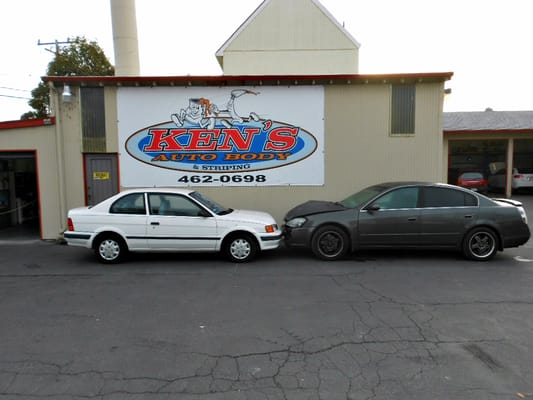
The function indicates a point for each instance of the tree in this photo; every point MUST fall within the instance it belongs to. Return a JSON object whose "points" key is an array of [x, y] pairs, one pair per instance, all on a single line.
{"points": [[80, 57]]}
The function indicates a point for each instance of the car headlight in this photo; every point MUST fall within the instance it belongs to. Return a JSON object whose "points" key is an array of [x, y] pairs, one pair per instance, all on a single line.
{"points": [[296, 222]]}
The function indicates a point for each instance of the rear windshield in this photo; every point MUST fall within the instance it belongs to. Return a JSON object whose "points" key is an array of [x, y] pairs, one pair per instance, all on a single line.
{"points": [[472, 175]]}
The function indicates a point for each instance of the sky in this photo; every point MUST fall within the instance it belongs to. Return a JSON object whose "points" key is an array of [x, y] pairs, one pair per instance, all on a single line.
{"points": [[487, 44]]}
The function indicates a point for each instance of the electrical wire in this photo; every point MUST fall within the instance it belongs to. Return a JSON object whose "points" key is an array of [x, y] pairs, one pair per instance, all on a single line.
{"points": [[16, 90], [15, 97]]}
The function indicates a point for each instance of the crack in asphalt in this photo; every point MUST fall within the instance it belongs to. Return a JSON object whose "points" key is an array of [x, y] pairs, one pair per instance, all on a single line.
{"points": [[354, 363], [278, 374]]}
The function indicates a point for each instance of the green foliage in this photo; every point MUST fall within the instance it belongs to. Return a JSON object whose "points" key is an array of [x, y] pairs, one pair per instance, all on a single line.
{"points": [[79, 58]]}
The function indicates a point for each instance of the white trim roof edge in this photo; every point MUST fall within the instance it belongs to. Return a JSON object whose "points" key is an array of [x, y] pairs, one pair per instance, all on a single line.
{"points": [[334, 20], [220, 51]]}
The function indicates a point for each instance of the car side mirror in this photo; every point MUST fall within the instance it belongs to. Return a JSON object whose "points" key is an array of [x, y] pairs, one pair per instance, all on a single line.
{"points": [[373, 207]]}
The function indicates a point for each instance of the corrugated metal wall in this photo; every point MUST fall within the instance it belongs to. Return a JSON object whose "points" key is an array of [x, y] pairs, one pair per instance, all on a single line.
{"points": [[291, 37]]}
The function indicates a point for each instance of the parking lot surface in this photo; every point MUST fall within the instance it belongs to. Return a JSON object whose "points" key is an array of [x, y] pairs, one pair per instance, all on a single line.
{"points": [[378, 325]]}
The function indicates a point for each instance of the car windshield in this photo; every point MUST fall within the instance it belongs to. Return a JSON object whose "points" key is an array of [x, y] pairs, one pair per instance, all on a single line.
{"points": [[361, 197], [211, 204]]}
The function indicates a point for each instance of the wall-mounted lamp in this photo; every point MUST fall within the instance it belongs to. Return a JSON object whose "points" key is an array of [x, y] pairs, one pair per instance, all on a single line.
{"points": [[448, 91], [67, 94]]}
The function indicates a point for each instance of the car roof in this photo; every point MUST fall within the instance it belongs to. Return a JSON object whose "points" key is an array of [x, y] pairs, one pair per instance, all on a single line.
{"points": [[158, 190], [391, 185], [411, 183]]}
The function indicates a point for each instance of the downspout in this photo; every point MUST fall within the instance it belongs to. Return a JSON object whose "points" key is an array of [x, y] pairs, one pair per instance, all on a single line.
{"points": [[54, 96]]}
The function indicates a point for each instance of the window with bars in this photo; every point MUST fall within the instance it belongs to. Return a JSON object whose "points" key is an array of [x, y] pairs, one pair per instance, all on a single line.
{"points": [[403, 110], [93, 119]]}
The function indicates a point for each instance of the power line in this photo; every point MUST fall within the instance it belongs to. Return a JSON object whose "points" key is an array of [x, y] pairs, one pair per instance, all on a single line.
{"points": [[15, 97], [17, 90]]}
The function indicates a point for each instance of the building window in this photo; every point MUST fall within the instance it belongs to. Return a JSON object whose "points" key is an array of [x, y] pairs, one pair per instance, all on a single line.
{"points": [[403, 110], [93, 120]]}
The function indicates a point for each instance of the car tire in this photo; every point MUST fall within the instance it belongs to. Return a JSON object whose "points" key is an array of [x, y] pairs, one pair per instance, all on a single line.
{"points": [[110, 249], [330, 243], [480, 244], [240, 247]]}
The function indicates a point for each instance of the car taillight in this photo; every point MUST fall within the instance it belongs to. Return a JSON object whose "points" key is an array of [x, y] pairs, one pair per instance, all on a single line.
{"points": [[70, 224], [518, 176], [523, 214]]}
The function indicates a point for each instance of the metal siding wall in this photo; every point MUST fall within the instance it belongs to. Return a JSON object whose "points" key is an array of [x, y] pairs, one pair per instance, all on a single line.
{"points": [[291, 37], [428, 123], [290, 25], [301, 62], [111, 118]]}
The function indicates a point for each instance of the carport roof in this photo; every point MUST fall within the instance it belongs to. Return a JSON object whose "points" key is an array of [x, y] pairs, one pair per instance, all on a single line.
{"points": [[488, 121]]}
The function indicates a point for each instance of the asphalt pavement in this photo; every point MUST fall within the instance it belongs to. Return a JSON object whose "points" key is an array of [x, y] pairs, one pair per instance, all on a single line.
{"points": [[378, 325]]}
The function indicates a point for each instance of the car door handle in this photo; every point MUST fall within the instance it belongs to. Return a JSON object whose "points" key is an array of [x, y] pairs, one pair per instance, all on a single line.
{"points": [[154, 223], [468, 216], [411, 219]]}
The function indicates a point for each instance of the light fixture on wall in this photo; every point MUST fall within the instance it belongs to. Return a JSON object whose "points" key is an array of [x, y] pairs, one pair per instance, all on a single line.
{"points": [[67, 94]]}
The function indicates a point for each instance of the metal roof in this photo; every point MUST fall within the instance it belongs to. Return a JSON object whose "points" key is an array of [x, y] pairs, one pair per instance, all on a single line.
{"points": [[27, 123], [455, 122], [249, 80]]}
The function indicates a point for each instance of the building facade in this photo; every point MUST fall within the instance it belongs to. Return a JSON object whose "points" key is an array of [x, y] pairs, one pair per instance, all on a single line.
{"points": [[259, 136]]}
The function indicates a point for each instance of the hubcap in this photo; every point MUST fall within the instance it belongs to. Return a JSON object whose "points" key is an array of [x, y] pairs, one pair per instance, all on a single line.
{"points": [[330, 244], [482, 244], [109, 250], [240, 249]]}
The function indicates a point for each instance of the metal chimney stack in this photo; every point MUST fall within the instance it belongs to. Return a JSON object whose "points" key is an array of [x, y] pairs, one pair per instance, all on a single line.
{"points": [[125, 42]]}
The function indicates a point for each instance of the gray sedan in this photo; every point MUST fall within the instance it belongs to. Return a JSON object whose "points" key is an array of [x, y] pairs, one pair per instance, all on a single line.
{"points": [[408, 215]]}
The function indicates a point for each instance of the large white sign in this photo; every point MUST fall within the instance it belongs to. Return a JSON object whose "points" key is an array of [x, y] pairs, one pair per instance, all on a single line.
{"points": [[211, 136]]}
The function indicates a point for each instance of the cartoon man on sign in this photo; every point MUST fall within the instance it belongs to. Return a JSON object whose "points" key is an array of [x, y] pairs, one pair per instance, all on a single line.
{"points": [[204, 114]]}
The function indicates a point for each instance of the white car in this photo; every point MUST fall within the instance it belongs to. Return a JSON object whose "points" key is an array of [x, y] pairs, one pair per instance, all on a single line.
{"points": [[169, 220], [521, 179]]}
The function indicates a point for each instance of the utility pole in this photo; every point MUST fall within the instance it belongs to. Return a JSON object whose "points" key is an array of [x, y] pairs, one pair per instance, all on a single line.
{"points": [[56, 43]]}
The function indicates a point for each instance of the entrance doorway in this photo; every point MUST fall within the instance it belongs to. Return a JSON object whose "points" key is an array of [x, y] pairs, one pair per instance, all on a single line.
{"points": [[19, 198], [492, 158], [101, 177], [474, 156]]}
